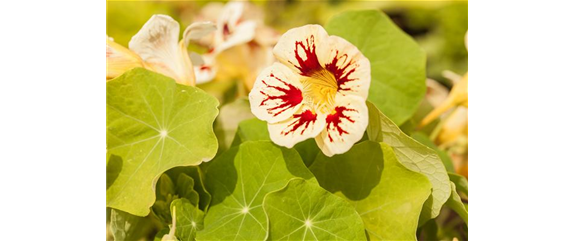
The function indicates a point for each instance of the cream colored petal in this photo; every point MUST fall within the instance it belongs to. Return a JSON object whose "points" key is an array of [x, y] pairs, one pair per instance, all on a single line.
{"points": [[302, 125], [157, 44], [197, 30], [351, 68], [232, 28], [302, 48], [240, 34], [344, 126], [205, 70], [119, 59], [276, 94]]}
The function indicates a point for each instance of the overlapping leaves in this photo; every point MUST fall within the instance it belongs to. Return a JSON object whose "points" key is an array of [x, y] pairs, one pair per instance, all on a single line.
{"points": [[153, 124]]}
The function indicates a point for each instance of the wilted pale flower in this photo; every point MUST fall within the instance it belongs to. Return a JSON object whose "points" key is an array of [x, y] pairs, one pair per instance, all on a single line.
{"points": [[156, 47], [317, 90], [239, 48]]}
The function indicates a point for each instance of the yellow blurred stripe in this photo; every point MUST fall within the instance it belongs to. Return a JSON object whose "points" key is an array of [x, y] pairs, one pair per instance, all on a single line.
{"points": [[520, 122], [520, 89]]}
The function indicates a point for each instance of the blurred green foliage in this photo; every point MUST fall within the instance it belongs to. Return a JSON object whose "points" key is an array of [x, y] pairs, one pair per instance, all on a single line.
{"points": [[438, 26]]}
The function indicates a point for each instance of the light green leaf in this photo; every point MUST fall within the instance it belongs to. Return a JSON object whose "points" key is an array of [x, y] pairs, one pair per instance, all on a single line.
{"points": [[305, 211], [188, 217], [154, 124], [425, 140], [457, 205], [238, 180], [397, 62], [414, 156], [388, 196]]}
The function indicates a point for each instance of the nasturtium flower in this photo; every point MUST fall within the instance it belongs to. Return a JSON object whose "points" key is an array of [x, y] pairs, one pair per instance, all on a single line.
{"points": [[157, 47], [317, 90]]}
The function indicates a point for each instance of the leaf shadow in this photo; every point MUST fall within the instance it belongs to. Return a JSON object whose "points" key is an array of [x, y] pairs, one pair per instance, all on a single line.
{"points": [[354, 173], [113, 169], [221, 176]]}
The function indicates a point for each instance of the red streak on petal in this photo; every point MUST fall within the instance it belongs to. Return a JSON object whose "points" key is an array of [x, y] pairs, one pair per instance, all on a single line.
{"points": [[305, 118], [341, 74], [336, 118], [226, 31], [291, 97], [204, 67], [311, 63]]}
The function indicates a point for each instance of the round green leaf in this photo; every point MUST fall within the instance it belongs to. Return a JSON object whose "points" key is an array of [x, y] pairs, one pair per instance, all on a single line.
{"points": [[397, 62], [238, 180], [154, 124], [388, 196], [305, 211]]}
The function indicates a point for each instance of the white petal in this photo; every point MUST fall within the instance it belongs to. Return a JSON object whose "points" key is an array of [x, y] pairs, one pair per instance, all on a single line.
{"points": [[302, 49], [157, 44], [304, 124], [344, 126], [205, 69], [197, 30], [242, 33], [349, 66], [232, 28], [276, 94]]}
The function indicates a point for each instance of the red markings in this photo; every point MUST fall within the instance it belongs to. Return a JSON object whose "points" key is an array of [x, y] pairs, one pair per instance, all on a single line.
{"points": [[341, 74], [311, 64], [205, 67], [305, 118], [291, 97], [336, 119], [226, 31]]}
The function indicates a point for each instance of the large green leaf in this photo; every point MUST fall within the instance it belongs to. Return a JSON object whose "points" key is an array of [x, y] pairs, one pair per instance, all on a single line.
{"points": [[154, 124], [189, 219], [388, 196], [397, 62], [414, 156], [424, 139], [305, 211], [238, 180]]}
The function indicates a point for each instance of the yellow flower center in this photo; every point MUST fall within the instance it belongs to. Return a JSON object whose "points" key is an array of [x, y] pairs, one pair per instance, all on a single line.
{"points": [[319, 90]]}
